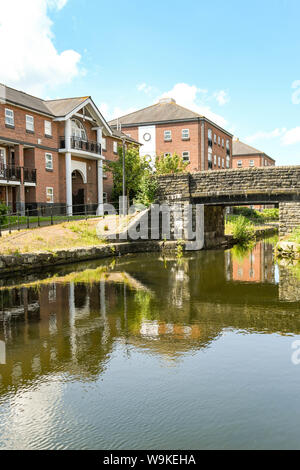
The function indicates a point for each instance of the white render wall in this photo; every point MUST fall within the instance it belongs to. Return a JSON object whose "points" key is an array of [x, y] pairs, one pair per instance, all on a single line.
{"points": [[149, 146]]}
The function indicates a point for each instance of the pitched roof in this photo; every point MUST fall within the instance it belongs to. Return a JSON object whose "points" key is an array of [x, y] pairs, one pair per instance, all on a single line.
{"points": [[121, 135], [64, 106], [165, 110], [239, 148], [23, 99]]}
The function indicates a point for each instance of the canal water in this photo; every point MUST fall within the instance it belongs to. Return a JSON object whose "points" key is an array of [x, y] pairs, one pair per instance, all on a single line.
{"points": [[153, 352]]}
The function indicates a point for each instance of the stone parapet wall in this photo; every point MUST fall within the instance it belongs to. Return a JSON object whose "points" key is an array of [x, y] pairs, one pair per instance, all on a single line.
{"points": [[289, 217], [266, 184]]}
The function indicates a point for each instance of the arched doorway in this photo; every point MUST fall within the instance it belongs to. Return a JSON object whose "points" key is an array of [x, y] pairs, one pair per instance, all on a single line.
{"points": [[78, 193]]}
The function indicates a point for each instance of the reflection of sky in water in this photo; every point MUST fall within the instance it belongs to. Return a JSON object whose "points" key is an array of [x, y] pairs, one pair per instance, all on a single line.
{"points": [[276, 273]]}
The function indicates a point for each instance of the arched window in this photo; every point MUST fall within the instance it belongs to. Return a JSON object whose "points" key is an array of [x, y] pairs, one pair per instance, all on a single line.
{"points": [[78, 130]]}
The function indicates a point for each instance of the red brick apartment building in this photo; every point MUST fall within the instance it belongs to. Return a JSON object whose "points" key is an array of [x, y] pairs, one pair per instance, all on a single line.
{"points": [[166, 128], [52, 152], [244, 156]]}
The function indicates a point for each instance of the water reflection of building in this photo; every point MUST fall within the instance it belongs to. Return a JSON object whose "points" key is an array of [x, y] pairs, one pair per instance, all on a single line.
{"points": [[255, 266], [74, 328]]}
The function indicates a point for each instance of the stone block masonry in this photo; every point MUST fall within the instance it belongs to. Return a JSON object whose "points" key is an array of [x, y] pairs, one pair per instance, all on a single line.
{"points": [[289, 217], [270, 185]]}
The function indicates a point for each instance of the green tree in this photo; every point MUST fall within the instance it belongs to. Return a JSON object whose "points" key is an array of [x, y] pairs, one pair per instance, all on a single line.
{"points": [[166, 164], [147, 190], [135, 168], [3, 214]]}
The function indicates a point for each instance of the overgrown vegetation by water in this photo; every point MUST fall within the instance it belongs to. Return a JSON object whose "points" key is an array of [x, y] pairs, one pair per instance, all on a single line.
{"points": [[255, 216], [241, 228], [295, 235], [244, 221]]}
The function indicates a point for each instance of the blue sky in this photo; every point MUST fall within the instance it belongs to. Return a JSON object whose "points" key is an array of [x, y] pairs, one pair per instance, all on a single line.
{"points": [[236, 62]]}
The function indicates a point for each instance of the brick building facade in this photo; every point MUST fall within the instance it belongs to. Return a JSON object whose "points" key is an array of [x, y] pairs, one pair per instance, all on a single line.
{"points": [[166, 127], [51, 153], [245, 156]]}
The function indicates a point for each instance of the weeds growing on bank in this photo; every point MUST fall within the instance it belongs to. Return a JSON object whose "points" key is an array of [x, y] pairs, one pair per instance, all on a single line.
{"points": [[242, 229], [295, 235]]}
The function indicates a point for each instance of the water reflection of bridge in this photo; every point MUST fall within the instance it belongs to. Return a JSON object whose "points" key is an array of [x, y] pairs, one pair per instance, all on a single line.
{"points": [[74, 328]]}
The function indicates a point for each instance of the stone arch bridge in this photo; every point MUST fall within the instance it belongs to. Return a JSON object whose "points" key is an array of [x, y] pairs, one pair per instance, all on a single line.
{"points": [[251, 186]]}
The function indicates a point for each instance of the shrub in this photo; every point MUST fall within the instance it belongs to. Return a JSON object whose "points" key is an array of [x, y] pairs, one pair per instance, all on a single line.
{"points": [[167, 164], [243, 230], [295, 235], [271, 214], [257, 216], [147, 189], [3, 214]]}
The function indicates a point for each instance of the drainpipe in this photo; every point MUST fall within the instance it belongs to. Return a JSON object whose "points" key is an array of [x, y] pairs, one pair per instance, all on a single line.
{"points": [[68, 157]]}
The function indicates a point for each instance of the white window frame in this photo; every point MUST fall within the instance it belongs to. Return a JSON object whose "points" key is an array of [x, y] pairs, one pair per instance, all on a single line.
{"points": [[47, 160], [223, 143], [78, 130], [223, 163], [219, 140], [219, 162], [240, 163], [48, 128], [251, 162], [103, 143], [9, 120], [104, 198], [167, 154], [115, 147], [215, 138], [167, 136], [186, 158], [3, 150], [185, 134], [215, 160], [49, 195], [29, 123], [228, 161]]}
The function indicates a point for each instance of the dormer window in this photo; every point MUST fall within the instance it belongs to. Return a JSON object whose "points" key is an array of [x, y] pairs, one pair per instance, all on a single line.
{"points": [[78, 130]]}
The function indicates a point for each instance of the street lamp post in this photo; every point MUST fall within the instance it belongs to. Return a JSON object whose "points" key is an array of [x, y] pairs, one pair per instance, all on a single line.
{"points": [[124, 180]]}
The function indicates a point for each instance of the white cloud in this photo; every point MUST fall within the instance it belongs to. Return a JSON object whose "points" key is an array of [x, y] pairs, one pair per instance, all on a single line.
{"points": [[29, 58], [262, 135], [222, 97], [145, 88], [113, 113], [291, 136], [296, 94], [191, 97], [286, 136]]}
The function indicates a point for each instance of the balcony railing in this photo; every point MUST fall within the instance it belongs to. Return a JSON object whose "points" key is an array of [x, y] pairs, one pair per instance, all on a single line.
{"points": [[14, 173], [79, 144], [29, 175], [10, 172]]}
